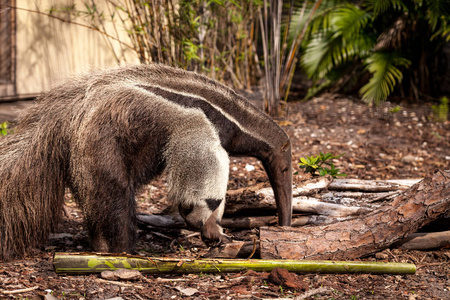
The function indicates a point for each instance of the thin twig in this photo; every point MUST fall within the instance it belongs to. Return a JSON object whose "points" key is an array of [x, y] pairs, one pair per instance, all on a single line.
{"points": [[20, 290], [159, 279], [321, 290], [253, 250], [119, 283]]}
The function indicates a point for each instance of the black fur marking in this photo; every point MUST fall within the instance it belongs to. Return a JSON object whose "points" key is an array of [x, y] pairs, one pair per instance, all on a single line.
{"points": [[185, 211], [228, 131], [213, 204]]}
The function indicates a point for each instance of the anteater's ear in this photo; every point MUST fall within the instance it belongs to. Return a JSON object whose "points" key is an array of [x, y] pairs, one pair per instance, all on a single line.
{"points": [[286, 146]]}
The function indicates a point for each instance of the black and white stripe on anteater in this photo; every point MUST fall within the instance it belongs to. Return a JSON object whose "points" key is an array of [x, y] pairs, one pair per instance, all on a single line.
{"points": [[106, 134]]}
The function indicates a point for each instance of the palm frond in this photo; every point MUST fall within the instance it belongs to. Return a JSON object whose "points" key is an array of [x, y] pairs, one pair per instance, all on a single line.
{"points": [[383, 66], [319, 54], [349, 20], [444, 32], [378, 7], [319, 22], [339, 43], [438, 10]]}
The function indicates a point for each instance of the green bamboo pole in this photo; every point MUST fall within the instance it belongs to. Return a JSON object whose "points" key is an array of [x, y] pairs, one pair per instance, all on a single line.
{"points": [[87, 263]]}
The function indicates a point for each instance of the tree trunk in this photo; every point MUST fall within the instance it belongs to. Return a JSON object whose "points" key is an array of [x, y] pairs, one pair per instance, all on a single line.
{"points": [[424, 202]]}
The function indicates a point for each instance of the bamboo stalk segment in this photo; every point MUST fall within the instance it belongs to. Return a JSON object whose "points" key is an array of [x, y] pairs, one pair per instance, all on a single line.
{"points": [[87, 263]]}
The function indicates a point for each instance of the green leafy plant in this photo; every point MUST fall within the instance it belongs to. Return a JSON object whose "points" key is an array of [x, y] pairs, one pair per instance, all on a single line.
{"points": [[436, 134], [395, 109], [313, 164], [440, 111], [4, 128]]}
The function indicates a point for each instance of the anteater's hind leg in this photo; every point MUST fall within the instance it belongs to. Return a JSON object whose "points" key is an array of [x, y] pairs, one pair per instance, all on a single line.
{"points": [[198, 169]]}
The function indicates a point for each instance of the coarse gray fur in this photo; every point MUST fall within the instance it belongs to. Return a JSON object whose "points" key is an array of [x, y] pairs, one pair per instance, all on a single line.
{"points": [[107, 133]]}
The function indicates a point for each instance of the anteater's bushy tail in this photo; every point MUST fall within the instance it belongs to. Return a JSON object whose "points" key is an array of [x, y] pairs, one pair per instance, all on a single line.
{"points": [[32, 174]]}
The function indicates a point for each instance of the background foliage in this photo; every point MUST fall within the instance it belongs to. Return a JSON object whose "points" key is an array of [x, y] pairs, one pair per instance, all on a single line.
{"points": [[378, 46], [374, 47], [214, 37], [238, 41]]}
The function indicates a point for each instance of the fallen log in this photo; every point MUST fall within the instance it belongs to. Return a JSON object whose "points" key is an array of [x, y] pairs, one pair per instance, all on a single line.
{"points": [[366, 186], [360, 199], [260, 221], [305, 205], [176, 221], [86, 263], [405, 183], [162, 221], [325, 208], [332, 197], [249, 222], [425, 241], [302, 189], [424, 202], [415, 241], [314, 206]]}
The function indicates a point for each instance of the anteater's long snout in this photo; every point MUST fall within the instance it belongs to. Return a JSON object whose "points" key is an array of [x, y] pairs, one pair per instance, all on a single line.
{"points": [[279, 170]]}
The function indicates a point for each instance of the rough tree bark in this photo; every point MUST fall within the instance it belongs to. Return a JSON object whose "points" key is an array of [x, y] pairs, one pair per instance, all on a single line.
{"points": [[424, 202]]}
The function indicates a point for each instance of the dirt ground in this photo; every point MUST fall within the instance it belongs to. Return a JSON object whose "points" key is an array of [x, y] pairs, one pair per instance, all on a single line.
{"points": [[378, 143]]}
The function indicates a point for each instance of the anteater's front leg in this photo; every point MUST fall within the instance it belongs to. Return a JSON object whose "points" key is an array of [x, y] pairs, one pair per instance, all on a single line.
{"points": [[102, 188], [111, 221]]}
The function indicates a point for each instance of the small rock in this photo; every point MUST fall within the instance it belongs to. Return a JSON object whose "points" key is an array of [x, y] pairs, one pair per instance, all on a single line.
{"points": [[281, 276], [109, 275], [408, 159], [187, 291], [123, 274], [49, 296], [126, 274], [249, 168], [381, 256]]}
